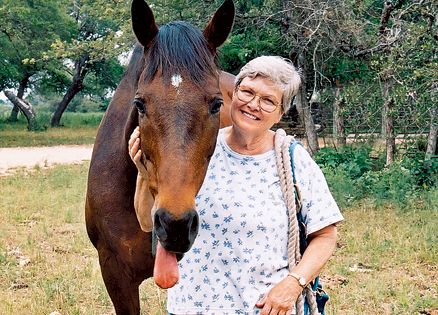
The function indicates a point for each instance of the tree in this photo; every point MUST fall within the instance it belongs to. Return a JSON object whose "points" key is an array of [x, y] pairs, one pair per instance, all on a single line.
{"points": [[26, 108], [102, 33], [27, 31], [316, 31]]}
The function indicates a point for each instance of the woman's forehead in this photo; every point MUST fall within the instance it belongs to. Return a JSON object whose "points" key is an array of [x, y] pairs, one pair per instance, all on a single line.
{"points": [[262, 85]]}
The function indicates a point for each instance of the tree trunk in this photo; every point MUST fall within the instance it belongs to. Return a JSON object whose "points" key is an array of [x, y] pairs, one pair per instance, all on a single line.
{"points": [[81, 69], [303, 108], [432, 138], [387, 120], [26, 108], [21, 88], [338, 119]]}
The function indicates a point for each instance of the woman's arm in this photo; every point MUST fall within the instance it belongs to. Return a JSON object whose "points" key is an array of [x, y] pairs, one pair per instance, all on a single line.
{"points": [[282, 296], [143, 200]]}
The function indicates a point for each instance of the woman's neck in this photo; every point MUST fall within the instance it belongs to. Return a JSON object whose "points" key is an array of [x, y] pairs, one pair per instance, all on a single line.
{"points": [[249, 144]]}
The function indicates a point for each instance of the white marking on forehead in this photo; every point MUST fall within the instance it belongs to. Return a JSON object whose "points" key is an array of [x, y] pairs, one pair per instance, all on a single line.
{"points": [[176, 80]]}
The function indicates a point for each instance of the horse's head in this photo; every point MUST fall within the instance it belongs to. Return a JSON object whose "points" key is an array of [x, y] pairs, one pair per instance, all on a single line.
{"points": [[178, 102]]}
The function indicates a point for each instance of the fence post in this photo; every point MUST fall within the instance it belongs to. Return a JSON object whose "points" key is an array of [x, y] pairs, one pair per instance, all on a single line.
{"points": [[387, 119], [432, 138], [338, 118]]}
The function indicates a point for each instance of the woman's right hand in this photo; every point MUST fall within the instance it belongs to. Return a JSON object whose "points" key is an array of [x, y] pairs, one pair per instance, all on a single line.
{"points": [[135, 151]]}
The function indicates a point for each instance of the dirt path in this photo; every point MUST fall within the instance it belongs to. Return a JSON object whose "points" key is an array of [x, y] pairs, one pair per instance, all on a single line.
{"points": [[28, 157]]}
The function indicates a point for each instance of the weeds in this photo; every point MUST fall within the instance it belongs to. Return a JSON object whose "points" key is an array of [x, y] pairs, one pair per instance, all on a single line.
{"points": [[353, 174]]}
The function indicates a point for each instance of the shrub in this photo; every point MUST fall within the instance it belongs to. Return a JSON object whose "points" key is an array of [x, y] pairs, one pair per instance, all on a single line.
{"points": [[352, 175], [355, 161], [424, 171], [341, 185]]}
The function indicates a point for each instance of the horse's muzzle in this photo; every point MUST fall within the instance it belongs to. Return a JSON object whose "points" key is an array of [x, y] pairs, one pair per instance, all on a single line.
{"points": [[176, 235]]}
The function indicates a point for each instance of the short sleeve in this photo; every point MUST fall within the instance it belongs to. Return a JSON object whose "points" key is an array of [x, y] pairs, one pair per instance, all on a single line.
{"points": [[319, 207]]}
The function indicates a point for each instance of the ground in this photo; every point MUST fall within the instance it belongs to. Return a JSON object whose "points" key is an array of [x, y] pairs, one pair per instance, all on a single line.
{"points": [[30, 157]]}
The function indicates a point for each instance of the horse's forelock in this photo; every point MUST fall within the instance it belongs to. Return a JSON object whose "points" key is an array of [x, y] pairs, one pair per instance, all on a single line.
{"points": [[180, 48]]}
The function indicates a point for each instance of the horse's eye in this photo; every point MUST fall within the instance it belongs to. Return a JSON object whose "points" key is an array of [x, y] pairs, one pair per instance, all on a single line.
{"points": [[139, 103], [215, 105]]}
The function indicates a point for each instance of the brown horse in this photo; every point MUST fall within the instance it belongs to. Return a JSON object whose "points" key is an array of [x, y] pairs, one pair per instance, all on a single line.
{"points": [[171, 90]]}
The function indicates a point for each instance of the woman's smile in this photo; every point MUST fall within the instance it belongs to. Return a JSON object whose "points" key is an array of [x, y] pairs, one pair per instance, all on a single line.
{"points": [[248, 115]]}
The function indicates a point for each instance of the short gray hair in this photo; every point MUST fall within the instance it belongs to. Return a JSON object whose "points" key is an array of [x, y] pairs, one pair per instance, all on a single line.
{"points": [[277, 69]]}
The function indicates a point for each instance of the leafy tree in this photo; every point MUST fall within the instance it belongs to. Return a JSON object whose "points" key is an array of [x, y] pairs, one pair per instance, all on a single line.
{"points": [[28, 29], [102, 33]]}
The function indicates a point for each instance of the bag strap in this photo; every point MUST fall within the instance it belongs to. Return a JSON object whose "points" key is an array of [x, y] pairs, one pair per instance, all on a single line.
{"points": [[298, 201]]}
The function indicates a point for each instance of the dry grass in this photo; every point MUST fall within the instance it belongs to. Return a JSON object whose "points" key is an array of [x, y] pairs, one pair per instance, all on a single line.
{"points": [[47, 263], [386, 262], [78, 128]]}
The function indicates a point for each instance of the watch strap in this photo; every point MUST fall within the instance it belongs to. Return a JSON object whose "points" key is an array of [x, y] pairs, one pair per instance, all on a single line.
{"points": [[301, 280]]}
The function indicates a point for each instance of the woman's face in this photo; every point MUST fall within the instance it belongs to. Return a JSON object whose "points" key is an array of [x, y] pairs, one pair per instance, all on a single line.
{"points": [[250, 116]]}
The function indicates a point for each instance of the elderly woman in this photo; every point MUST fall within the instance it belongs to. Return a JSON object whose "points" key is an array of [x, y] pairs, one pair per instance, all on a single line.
{"points": [[239, 262]]}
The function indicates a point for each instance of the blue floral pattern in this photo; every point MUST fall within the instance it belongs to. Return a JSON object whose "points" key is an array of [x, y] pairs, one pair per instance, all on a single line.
{"points": [[241, 248]]}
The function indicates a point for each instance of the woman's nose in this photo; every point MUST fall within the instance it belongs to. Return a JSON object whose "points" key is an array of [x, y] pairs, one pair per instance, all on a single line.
{"points": [[254, 103]]}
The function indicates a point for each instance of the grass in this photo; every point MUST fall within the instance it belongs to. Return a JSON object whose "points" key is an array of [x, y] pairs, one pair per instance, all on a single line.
{"points": [[47, 263], [386, 261], [78, 128]]}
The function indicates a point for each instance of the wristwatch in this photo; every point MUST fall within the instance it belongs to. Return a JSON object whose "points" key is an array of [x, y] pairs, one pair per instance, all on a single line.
{"points": [[301, 280]]}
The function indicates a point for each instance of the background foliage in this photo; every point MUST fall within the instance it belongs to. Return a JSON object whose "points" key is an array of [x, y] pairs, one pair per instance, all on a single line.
{"points": [[340, 41]]}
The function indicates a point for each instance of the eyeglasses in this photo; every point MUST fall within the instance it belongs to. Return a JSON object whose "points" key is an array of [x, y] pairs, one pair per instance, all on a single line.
{"points": [[247, 95]]}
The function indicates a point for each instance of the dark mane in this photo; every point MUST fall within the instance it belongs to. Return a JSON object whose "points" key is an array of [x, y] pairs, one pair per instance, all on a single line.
{"points": [[180, 48]]}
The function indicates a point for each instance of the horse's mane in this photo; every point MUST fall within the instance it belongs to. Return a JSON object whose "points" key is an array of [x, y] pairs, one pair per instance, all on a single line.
{"points": [[180, 48]]}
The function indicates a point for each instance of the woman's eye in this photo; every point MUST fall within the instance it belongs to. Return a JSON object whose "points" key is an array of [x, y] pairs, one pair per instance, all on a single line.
{"points": [[139, 103], [269, 102], [215, 105], [247, 92]]}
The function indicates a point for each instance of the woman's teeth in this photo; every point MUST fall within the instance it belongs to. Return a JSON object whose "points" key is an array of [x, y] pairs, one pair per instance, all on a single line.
{"points": [[250, 116]]}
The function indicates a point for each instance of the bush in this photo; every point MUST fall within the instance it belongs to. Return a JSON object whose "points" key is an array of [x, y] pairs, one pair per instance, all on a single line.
{"points": [[395, 183], [341, 186], [355, 161], [352, 175], [424, 171]]}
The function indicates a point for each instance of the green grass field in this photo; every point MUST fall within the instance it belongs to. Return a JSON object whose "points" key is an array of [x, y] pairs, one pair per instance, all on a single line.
{"points": [[386, 261], [78, 128]]}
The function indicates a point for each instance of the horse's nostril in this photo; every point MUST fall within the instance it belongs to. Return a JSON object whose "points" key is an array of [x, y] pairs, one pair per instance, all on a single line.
{"points": [[159, 227], [194, 224]]}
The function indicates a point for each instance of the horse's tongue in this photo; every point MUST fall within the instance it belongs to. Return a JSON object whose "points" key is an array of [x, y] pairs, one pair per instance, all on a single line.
{"points": [[166, 273]]}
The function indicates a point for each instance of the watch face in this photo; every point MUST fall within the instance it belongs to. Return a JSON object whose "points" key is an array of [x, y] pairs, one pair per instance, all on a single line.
{"points": [[302, 281]]}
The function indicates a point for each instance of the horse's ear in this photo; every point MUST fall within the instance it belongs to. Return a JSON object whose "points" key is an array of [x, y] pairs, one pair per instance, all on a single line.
{"points": [[219, 27], [143, 22]]}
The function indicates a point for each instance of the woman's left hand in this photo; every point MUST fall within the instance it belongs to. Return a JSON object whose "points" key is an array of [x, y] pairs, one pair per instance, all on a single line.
{"points": [[281, 298]]}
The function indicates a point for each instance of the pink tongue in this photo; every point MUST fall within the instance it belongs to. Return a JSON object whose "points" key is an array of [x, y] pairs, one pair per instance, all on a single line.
{"points": [[166, 273]]}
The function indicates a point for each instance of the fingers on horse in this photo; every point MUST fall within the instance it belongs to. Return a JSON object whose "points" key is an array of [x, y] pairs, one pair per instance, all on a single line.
{"points": [[134, 135], [137, 157], [133, 146], [131, 143]]}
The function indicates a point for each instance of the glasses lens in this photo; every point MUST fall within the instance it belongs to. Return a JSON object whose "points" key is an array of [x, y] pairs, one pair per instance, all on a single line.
{"points": [[245, 95], [267, 105]]}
